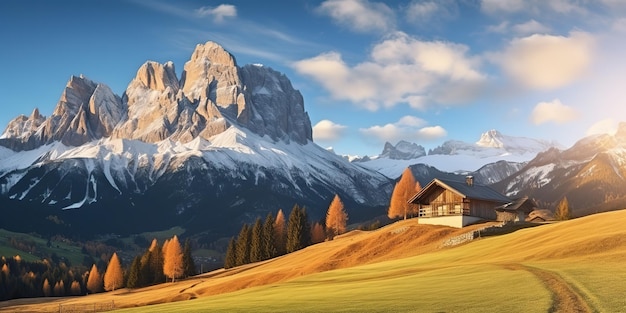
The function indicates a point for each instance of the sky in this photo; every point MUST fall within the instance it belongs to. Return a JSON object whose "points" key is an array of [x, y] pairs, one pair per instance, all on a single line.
{"points": [[370, 72]]}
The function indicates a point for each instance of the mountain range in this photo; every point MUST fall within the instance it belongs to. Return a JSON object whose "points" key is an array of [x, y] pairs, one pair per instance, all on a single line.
{"points": [[215, 148], [224, 144]]}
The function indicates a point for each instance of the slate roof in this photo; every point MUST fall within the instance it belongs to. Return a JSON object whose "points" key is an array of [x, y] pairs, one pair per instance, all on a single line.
{"points": [[475, 191], [521, 204]]}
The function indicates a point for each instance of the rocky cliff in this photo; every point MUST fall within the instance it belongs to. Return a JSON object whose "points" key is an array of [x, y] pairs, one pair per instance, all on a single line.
{"points": [[212, 94]]}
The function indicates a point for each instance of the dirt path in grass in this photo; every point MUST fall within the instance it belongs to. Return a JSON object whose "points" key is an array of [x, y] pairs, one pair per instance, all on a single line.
{"points": [[564, 297]]}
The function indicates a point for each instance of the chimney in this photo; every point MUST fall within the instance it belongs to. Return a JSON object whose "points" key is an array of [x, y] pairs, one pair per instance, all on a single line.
{"points": [[469, 180]]}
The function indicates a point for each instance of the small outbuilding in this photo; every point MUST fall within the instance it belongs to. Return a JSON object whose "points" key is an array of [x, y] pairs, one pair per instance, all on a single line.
{"points": [[516, 211]]}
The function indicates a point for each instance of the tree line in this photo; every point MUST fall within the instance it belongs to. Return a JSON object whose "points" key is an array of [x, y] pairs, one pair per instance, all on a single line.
{"points": [[276, 236], [22, 279]]}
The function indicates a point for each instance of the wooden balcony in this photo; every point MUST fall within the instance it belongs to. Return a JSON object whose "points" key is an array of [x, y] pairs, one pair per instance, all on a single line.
{"points": [[444, 209]]}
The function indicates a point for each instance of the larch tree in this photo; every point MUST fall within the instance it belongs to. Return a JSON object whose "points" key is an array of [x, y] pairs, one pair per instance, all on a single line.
{"points": [[336, 218], [562, 212], [256, 245], [280, 233], [298, 230], [173, 259], [47, 290], [113, 276], [267, 238], [318, 234], [230, 260], [59, 289], [242, 250], [94, 281], [404, 190], [75, 289]]}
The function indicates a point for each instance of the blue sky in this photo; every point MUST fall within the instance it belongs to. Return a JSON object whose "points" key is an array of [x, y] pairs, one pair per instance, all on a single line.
{"points": [[369, 71]]}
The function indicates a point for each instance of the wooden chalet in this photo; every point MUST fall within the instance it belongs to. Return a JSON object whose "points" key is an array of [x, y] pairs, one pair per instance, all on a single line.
{"points": [[516, 211], [457, 203]]}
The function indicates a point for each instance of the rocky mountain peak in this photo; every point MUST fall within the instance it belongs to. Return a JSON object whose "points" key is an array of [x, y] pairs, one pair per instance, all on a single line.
{"points": [[157, 76], [491, 138], [403, 150], [213, 53], [212, 94], [35, 115], [621, 132]]}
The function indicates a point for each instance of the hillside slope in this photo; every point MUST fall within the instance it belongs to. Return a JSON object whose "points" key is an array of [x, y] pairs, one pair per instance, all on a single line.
{"points": [[543, 266]]}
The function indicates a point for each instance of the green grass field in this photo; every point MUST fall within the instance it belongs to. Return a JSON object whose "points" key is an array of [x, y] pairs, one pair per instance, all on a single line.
{"points": [[71, 252]]}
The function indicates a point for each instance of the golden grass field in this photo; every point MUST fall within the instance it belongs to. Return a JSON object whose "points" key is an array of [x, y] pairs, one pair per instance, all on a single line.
{"points": [[573, 266]]}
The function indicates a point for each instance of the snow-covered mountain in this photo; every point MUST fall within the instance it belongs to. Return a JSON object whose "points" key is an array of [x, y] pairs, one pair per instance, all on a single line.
{"points": [[591, 174], [460, 157], [221, 145]]}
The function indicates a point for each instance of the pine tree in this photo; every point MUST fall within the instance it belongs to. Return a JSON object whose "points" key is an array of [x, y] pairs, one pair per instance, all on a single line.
{"points": [[94, 282], [318, 234], [188, 264], [562, 210], [298, 230], [134, 274], [113, 276], [173, 259], [404, 190], [267, 238], [336, 218], [280, 233], [256, 245], [242, 250], [230, 260]]}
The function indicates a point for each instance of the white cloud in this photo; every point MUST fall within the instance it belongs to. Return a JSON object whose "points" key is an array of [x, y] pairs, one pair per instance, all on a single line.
{"points": [[408, 128], [605, 126], [546, 61], [531, 27], [219, 12], [421, 12], [328, 131], [499, 28], [497, 6], [360, 15], [553, 111], [400, 69]]}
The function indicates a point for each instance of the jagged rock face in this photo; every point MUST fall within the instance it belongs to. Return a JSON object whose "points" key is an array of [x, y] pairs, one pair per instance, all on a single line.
{"points": [[21, 128], [403, 150], [86, 111], [213, 93], [270, 91]]}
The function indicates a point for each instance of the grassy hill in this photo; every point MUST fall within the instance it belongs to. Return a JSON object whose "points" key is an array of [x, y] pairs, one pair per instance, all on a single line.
{"points": [[573, 266]]}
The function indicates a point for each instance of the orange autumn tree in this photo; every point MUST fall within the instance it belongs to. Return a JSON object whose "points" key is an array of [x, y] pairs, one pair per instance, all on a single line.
{"points": [[336, 218], [113, 276], [317, 233], [280, 233], [173, 259], [94, 282], [404, 190]]}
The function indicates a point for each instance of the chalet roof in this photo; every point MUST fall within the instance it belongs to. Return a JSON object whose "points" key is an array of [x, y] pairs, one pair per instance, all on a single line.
{"points": [[522, 204], [474, 191]]}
